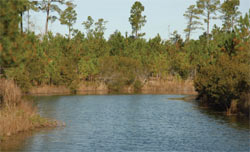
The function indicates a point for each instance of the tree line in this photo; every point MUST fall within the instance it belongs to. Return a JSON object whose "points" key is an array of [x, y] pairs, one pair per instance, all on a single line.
{"points": [[218, 61]]}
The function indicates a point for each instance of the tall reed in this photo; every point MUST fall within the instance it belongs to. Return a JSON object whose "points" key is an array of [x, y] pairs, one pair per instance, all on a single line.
{"points": [[17, 114]]}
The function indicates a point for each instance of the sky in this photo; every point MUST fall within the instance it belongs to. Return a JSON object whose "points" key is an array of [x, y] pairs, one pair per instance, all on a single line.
{"points": [[163, 16]]}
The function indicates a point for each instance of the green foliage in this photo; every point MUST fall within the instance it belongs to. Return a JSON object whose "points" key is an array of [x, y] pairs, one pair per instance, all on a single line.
{"points": [[138, 85], [223, 81], [119, 72], [94, 29], [192, 16], [208, 9], [68, 17], [88, 67], [20, 76], [136, 19], [88, 26], [180, 65], [100, 28], [117, 43], [230, 13], [49, 6], [176, 39]]}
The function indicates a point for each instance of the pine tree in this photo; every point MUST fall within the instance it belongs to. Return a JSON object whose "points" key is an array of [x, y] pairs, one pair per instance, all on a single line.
{"points": [[136, 19], [208, 9], [100, 28], [88, 26], [50, 6], [230, 12], [9, 19], [192, 16], [68, 17]]}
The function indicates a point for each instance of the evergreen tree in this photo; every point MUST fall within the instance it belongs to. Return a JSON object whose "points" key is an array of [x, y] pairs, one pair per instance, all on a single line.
{"points": [[230, 12], [9, 30], [244, 22], [88, 26], [192, 16], [208, 9], [136, 19], [49, 6], [22, 6], [100, 28], [32, 5], [68, 17], [9, 19]]}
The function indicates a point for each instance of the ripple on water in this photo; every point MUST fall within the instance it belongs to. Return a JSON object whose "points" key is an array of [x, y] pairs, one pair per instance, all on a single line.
{"points": [[133, 123]]}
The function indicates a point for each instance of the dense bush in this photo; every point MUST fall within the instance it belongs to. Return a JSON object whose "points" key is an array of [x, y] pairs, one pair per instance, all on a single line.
{"points": [[220, 83]]}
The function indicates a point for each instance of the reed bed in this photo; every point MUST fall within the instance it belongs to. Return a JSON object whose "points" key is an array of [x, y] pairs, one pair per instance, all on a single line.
{"points": [[16, 113]]}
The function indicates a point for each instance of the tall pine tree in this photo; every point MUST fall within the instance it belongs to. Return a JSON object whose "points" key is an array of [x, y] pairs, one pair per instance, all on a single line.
{"points": [[230, 13], [192, 20], [68, 17], [136, 19], [208, 9]]}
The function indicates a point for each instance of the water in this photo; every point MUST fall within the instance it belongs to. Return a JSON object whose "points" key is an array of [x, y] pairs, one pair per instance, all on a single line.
{"points": [[117, 123]]}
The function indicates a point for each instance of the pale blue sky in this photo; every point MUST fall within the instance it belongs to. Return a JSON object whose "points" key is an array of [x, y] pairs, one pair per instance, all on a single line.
{"points": [[163, 16]]}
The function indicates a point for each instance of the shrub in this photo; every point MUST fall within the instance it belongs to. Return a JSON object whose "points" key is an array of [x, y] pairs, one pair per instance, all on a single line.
{"points": [[116, 85], [220, 83], [138, 85]]}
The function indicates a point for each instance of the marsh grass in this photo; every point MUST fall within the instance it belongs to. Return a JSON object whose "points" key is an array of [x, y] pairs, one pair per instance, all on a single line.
{"points": [[170, 85], [16, 114]]}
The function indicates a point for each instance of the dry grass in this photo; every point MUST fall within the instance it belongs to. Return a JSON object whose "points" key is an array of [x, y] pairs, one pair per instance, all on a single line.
{"points": [[170, 85], [92, 88], [20, 118], [16, 114], [9, 92], [49, 89]]}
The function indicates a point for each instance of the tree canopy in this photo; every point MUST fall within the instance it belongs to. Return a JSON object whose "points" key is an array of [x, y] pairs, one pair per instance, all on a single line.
{"points": [[136, 19]]}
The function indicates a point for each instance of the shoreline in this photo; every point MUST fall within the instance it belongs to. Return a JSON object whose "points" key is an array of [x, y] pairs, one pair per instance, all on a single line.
{"points": [[18, 114], [152, 86]]}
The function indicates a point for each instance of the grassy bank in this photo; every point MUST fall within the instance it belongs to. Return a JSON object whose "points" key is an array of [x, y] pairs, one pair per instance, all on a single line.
{"points": [[16, 113], [169, 85]]}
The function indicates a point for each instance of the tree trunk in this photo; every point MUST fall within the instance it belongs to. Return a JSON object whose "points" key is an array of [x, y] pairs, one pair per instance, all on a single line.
{"points": [[28, 21], [190, 27], [47, 19], [69, 33], [21, 14], [232, 26], [208, 21]]}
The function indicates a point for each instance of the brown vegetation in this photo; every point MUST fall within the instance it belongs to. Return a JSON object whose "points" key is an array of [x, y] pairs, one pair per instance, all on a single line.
{"points": [[17, 114], [49, 89], [10, 94], [170, 85]]}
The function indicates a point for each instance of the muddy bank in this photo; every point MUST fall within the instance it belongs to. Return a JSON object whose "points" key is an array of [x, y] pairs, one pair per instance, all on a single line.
{"points": [[151, 86]]}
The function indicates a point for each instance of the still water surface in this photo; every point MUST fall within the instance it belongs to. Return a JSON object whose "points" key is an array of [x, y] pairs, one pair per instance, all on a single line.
{"points": [[117, 123]]}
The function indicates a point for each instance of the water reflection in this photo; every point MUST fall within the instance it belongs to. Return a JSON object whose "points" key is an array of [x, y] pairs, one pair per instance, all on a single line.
{"points": [[132, 123], [238, 122]]}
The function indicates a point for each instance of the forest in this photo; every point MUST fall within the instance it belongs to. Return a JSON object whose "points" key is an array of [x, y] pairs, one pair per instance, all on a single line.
{"points": [[218, 62]]}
